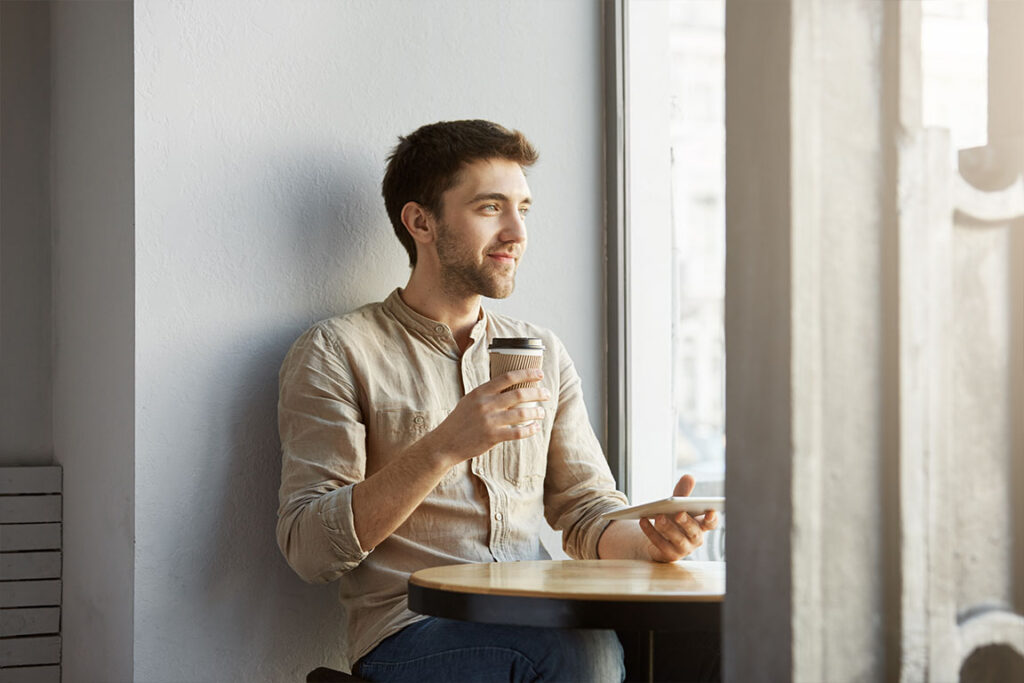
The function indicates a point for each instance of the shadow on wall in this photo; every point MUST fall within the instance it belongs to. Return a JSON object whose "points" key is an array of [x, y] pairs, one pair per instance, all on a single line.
{"points": [[329, 227], [993, 664], [340, 242]]}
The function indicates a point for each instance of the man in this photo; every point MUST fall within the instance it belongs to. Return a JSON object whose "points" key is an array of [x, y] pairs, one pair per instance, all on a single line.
{"points": [[399, 451]]}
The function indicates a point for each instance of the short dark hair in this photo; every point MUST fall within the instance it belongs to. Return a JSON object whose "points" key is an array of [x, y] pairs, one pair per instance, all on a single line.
{"points": [[426, 163]]}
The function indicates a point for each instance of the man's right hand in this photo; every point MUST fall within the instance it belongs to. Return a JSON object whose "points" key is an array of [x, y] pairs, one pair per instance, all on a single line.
{"points": [[481, 420], [484, 417]]}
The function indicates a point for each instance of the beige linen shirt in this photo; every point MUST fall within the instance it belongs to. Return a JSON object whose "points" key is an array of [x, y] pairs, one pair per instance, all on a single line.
{"points": [[358, 389]]}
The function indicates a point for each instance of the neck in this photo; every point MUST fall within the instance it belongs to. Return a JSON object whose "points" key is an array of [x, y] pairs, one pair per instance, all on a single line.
{"points": [[428, 298]]}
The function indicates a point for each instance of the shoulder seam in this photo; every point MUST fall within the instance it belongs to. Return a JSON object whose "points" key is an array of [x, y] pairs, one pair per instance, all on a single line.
{"points": [[322, 327]]}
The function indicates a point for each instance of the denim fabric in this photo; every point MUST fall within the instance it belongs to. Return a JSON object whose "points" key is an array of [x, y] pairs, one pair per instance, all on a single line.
{"points": [[455, 651]]}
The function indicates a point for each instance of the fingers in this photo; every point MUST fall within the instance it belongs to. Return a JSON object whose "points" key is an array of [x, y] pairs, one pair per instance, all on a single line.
{"points": [[710, 521], [515, 416], [665, 551], [502, 420], [493, 415], [674, 536], [508, 424], [524, 431], [510, 399], [680, 528], [501, 382], [497, 389], [684, 486]]}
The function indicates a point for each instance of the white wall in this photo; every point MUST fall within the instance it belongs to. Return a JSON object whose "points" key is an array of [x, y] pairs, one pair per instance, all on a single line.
{"points": [[261, 131], [93, 354]]}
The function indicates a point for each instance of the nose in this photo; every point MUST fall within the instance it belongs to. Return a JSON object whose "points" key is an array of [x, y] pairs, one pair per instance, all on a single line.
{"points": [[513, 228]]}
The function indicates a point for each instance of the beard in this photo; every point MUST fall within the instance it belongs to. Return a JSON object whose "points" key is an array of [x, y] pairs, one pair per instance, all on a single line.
{"points": [[462, 274]]}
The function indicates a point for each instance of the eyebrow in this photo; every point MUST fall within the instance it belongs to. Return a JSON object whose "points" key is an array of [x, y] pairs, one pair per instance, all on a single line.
{"points": [[497, 196]]}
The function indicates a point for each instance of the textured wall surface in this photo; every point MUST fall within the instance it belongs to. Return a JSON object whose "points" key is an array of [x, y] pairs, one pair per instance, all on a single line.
{"points": [[805, 176], [982, 433], [876, 355], [261, 132]]}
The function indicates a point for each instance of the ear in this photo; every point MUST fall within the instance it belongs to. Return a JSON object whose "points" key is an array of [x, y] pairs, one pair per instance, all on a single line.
{"points": [[419, 222]]}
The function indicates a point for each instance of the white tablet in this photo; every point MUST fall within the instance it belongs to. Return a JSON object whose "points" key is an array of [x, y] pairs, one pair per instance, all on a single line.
{"points": [[694, 505]]}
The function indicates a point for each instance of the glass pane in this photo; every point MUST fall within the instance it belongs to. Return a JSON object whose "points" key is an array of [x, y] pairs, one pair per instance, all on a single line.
{"points": [[954, 69], [675, 84], [697, 68]]}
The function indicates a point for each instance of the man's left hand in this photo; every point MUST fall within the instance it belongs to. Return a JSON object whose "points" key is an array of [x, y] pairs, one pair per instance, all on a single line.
{"points": [[673, 537]]}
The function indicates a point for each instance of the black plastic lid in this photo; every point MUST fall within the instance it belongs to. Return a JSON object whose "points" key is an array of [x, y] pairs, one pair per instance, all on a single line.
{"points": [[530, 343]]}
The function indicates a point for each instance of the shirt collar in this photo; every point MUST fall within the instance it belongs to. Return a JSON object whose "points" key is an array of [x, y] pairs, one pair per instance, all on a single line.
{"points": [[435, 333]]}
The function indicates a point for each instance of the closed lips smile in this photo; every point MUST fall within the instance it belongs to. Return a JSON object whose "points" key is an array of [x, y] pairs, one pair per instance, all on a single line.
{"points": [[507, 258]]}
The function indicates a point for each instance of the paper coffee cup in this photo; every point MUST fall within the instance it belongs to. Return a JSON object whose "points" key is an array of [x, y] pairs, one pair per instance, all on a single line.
{"points": [[516, 353]]}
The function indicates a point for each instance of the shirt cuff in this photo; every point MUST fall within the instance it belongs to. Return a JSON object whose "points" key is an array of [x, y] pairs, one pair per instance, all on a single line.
{"points": [[336, 517], [595, 526]]}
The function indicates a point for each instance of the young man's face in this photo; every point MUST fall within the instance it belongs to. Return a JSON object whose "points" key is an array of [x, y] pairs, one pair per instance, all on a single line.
{"points": [[481, 233]]}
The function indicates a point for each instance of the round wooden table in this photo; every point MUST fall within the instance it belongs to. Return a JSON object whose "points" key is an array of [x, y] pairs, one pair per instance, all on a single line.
{"points": [[618, 594]]}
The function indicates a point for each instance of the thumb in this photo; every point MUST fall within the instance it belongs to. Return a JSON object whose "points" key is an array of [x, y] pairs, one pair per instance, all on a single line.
{"points": [[684, 485]]}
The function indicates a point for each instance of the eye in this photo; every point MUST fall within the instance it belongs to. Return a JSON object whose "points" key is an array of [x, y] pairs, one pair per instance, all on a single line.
{"points": [[490, 208], [523, 210]]}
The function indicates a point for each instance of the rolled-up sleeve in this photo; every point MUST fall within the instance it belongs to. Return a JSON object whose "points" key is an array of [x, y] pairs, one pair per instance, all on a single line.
{"points": [[579, 487], [323, 442]]}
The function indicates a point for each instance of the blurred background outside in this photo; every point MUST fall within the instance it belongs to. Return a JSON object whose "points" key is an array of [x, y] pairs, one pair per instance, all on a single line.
{"points": [[954, 42]]}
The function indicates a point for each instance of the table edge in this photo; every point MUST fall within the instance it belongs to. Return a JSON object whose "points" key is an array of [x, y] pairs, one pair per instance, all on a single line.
{"points": [[417, 579], [631, 615]]}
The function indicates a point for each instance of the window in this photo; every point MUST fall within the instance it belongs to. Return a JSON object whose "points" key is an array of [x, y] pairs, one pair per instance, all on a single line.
{"points": [[954, 70], [672, 273], [674, 244], [675, 221]]}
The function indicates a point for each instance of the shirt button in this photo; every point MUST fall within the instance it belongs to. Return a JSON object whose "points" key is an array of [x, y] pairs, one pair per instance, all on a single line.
{"points": [[418, 419], [497, 516], [439, 329]]}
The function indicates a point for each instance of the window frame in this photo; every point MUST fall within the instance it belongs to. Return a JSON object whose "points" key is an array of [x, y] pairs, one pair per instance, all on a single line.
{"points": [[621, 377], [616, 243]]}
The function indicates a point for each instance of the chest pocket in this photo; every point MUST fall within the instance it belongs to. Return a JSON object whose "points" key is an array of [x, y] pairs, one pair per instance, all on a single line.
{"points": [[524, 461], [396, 429]]}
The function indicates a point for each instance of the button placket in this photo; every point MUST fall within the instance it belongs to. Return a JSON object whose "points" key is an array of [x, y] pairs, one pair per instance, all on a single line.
{"points": [[494, 542]]}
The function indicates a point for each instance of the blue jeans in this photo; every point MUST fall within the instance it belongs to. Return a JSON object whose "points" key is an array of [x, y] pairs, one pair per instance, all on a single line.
{"points": [[454, 651]]}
